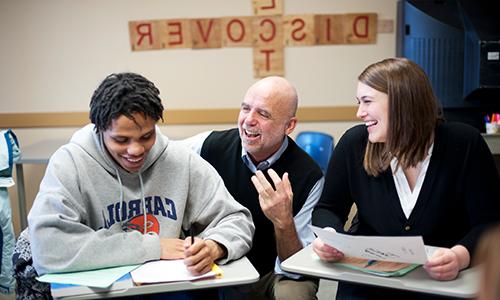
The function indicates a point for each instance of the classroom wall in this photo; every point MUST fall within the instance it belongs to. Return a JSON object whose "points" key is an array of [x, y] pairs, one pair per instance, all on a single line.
{"points": [[54, 53]]}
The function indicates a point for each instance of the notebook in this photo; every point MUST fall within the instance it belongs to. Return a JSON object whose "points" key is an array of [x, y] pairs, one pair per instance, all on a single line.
{"points": [[376, 267]]}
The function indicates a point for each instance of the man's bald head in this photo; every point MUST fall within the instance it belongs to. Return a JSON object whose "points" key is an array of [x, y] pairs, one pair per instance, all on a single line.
{"points": [[279, 90], [267, 116]]}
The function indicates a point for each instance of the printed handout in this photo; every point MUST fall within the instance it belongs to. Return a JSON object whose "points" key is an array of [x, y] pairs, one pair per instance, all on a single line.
{"points": [[404, 249]]}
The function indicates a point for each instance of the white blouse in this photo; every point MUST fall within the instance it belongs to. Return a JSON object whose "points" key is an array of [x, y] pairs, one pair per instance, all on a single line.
{"points": [[407, 197]]}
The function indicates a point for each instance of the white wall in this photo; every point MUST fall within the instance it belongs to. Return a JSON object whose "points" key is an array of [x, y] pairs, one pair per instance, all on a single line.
{"points": [[54, 53]]}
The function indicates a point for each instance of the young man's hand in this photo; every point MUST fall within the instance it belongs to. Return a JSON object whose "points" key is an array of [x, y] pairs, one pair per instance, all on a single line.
{"points": [[172, 248], [200, 256]]}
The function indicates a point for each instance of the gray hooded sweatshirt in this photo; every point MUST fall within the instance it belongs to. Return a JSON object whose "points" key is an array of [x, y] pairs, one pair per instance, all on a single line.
{"points": [[90, 213]]}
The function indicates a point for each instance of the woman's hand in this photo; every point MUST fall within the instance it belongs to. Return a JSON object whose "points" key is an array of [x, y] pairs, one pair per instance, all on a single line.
{"points": [[445, 264], [326, 252]]}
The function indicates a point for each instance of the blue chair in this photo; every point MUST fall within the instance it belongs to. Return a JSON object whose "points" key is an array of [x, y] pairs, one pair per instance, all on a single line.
{"points": [[318, 145]]}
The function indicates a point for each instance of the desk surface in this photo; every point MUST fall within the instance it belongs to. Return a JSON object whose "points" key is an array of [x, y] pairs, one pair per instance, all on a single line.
{"points": [[308, 263], [39, 153], [237, 272], [493, 141]]}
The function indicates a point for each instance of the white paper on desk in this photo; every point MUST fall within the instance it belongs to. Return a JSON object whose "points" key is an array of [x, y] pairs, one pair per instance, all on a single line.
{"points": [[405, 249], [165, 271]]}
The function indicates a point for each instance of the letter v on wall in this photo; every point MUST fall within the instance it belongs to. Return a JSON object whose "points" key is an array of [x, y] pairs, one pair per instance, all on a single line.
{"points": [[206, 33]]}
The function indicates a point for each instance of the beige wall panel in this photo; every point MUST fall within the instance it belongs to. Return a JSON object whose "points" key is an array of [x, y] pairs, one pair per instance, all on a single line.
{"points": [[170, 117], [385, 26]]}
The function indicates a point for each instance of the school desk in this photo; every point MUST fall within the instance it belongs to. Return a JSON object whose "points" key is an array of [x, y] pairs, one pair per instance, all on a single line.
{"points": [[238, 272], [306, 262], [38, 153]]}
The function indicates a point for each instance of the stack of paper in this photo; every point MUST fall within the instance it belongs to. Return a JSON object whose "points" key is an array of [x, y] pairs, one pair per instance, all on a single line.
{"points": [[168, 271], [382, 256], [403, 249]]}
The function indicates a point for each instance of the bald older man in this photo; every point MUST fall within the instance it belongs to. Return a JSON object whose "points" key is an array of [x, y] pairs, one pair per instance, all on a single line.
{"points": [[279, 183]]}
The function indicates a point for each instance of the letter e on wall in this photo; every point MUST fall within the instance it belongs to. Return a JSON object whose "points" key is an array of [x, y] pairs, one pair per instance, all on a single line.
{"points": [[176, 33]]}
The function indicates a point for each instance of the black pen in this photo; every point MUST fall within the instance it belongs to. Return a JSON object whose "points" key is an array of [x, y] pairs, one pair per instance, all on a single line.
{"points": [[191, 234]]}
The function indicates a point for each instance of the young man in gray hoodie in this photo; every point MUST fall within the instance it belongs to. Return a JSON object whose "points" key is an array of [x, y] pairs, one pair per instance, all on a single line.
{"points": [[120, 193]]}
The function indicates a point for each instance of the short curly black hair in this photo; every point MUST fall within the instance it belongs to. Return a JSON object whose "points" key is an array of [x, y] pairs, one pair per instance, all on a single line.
{"points": [[124, 94]]}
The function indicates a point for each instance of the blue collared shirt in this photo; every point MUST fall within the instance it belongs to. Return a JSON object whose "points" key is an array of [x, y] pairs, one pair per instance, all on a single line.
{"points": [[263, 165], [302, 219]]}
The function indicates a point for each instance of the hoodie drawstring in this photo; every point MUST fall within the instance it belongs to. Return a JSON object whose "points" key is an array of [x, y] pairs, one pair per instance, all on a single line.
{"points": [[122, 207], [143, 200]]}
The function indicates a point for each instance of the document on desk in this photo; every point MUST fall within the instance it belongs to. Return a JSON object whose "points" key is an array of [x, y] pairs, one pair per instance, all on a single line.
{"points": [[101, 278], [168, 271], [404, 249]]}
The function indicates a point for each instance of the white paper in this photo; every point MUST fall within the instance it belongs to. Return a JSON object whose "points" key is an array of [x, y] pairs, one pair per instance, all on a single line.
{"points": [[165, 271], [405, 249], [429, 250]]}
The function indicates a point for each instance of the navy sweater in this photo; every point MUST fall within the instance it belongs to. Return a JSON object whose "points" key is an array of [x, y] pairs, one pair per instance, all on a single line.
{"points": [[460, 195], [222, 149]]}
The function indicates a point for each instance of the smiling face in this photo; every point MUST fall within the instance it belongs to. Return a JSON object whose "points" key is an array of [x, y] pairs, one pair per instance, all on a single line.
{"points": [[374, 111], [266, 117], [129, 141]]}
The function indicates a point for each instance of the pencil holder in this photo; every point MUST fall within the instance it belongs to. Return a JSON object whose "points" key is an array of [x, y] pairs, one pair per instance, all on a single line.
{"points": [[492, 128]]}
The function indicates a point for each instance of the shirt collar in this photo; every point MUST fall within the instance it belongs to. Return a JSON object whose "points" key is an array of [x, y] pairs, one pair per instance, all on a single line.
{"points": [[394, 161], [265, 163]]}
